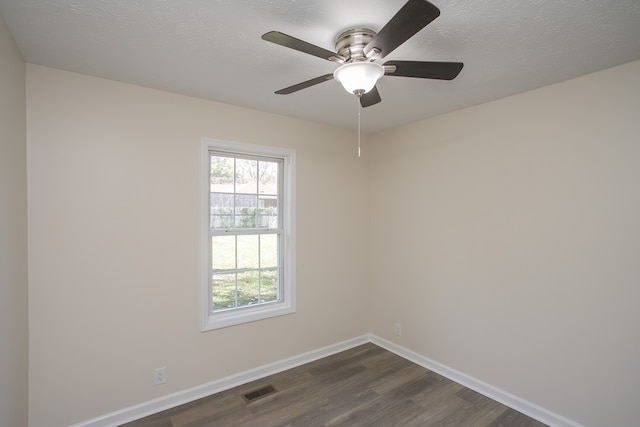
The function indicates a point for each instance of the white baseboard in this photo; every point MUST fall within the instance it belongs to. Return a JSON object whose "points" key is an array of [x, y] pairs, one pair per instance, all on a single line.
{"points": [[153, 406], [135, 412], [531, 409]]}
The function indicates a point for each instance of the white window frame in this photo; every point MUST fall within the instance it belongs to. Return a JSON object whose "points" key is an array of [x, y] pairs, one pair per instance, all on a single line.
{"points": [[287, 303]]}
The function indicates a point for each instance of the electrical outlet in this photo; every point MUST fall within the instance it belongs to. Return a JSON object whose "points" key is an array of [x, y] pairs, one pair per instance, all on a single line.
{"points": [[397, 329], [161, 375]]}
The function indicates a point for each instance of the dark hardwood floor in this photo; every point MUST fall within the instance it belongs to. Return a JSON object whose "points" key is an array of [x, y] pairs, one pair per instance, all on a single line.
{"points": [[363, 386]]}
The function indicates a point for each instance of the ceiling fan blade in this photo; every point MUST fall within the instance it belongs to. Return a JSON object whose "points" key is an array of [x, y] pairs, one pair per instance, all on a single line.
{"points": [[370, 98], [304, 85], [299, 45], [411, 18], [425, 69]]}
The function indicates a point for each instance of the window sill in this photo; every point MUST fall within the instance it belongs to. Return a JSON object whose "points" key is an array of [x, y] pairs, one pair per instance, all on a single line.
{"points": [[245, 315]]}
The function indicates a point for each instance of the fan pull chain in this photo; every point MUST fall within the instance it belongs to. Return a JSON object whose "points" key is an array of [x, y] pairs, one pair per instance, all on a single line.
{"points": [[359, 109]]}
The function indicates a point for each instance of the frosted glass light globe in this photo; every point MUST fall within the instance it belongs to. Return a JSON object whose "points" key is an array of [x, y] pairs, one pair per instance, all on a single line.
{"points": [[359, 77]]}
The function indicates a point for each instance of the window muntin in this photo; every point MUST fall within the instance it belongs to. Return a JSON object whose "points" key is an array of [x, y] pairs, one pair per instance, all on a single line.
{"points": [[249, 233]]}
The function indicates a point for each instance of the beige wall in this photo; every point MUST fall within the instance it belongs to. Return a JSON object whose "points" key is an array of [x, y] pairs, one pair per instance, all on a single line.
{"points": [[14, 341], [506, 241], [503, 238], [114, 238]]}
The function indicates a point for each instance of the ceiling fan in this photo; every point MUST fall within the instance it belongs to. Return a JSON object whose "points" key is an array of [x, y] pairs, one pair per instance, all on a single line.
{"points": [[358, 49]]}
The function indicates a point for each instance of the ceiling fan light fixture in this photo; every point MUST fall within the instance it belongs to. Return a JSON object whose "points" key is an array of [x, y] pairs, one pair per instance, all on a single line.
{"points": [[359, 77]]}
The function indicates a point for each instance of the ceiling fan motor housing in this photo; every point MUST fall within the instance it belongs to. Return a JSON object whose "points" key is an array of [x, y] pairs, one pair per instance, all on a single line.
{"points": [[350, 43]]}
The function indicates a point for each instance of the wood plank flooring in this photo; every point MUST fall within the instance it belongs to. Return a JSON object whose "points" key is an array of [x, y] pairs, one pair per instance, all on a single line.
{"points": [[363, 386]]}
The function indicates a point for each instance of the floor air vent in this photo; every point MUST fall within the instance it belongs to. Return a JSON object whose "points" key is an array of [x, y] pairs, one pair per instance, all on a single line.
{"points": [[259, 393]]}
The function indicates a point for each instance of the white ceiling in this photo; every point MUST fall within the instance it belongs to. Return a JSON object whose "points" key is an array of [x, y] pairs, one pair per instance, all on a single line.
{"points": [[212, 49]]}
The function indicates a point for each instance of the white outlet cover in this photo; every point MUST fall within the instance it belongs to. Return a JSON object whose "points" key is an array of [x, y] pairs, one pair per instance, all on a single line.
{"points": [[160, 375]]}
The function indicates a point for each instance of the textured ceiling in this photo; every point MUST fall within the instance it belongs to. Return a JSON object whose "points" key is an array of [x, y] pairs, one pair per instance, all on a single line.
{"points": [[212, 49]]}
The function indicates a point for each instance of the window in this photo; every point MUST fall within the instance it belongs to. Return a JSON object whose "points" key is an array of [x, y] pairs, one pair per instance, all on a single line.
{"points": [[248, 233]]}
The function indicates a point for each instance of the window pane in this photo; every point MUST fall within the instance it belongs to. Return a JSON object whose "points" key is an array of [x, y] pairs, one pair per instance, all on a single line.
{"points": [[268, 178], [248, 290], [248, 252], [221, 210], [267, 216], [222, 174], [246, 211], [246, 176], [268, 195], [223, 291], [269, 285], [268, 250], [223, 253]]}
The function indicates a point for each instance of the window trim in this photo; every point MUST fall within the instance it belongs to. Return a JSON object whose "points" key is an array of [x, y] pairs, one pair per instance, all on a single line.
{"points": [[223, 319]]}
